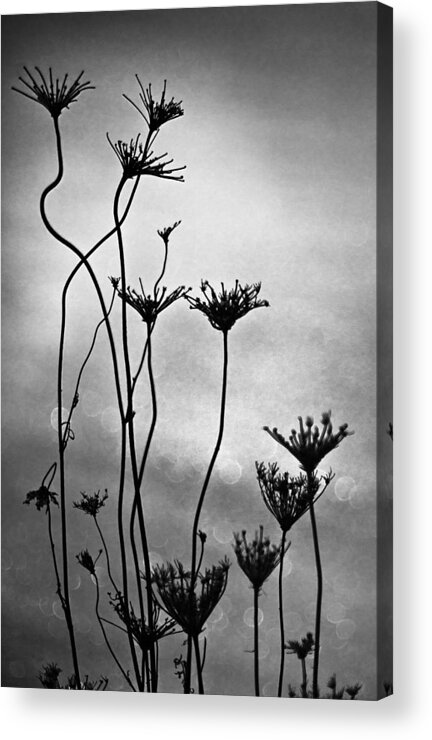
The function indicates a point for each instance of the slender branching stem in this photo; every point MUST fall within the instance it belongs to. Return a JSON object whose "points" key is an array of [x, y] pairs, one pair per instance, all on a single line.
{"points": [[105, 636], [129, 422], [194, 569], [315, 687], [256, 641], [281, 616]]}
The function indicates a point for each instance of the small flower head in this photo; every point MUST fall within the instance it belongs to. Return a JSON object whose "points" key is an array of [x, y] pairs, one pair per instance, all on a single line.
{"points": [[167, 231], [85, 559], [43, 498], [91, 505], [225, 308], [309, 445], [190, 604], [156, 113], [289, 497], [150, 306], [136, 160], [302, 648], [142, 633], [258, 558], [49, 676], [353, 690], [54, 95]]}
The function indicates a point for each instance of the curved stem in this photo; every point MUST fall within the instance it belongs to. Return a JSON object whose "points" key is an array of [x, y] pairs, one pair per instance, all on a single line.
{"points": [[281, 616], [137, 477], [315, 687], [203, 493], [83, 261], [107, 642], [256, 643]]}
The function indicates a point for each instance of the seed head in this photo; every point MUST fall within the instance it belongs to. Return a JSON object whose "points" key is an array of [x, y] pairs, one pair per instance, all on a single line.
{"points": [[91, 505], [43, 498], [53, 95], [149, 306], [258, 558], [225, 308], [309, 445], [155, 113]]}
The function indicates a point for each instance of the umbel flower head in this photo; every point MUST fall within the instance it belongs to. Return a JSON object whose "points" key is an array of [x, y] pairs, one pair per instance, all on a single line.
{"points": [[91, 504], [310, 445], [136, 160], [167, 231], [85, 559], [143, 635], [54, 95], [302, 648], [225, 308], [190, 604], [289, 497], [49, 676], [149, 306], [258, 558], [156, 113], [42, 498]]}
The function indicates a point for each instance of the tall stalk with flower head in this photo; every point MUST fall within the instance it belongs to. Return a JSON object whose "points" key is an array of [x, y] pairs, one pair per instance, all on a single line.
{"points": [[287, 498], [222, 310], [258, 559], [309, 446]]}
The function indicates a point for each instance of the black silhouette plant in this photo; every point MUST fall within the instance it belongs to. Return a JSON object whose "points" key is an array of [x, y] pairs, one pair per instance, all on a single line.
{"points": [[287, 498], [225, 308], [190, 600], [52, 94], [302, 648], [186, 596], [156, 113], [222, 310], [136, 160], [309, 446], [257, 559], [149, 306]]}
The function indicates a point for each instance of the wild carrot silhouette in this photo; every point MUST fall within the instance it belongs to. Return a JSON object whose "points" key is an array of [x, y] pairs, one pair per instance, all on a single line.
{"points": [[309, 446], [222, 310], [257, 559], [302, 648], [287, 498]]}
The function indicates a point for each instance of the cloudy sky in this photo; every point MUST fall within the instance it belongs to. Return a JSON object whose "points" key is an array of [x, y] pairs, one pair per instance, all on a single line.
{"points": [[279, 139]]}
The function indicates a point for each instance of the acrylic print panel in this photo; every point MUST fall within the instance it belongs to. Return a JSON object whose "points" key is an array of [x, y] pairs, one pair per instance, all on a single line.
{"points": [[196, 407]]}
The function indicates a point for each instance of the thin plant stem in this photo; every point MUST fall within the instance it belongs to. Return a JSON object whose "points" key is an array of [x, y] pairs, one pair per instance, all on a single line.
{"points": [[129, 422], [107, 557], [202, 496], [304, 679], [198, 664], [54, 557], [315, 687], [281, 616], [256, 643], [107, 642]]}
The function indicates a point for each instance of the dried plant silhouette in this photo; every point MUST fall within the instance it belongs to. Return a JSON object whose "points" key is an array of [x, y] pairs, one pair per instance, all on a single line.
{"points": [[148, 602]]}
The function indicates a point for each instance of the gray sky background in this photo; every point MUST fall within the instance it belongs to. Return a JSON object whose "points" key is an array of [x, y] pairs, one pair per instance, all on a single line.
{"points": [[279, 141]]}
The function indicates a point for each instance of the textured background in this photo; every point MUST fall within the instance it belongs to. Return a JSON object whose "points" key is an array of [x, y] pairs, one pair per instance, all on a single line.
{"points": [[279, 141]]}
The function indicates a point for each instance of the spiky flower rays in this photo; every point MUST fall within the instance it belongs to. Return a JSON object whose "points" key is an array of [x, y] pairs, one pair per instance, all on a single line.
{"points": [[137, 160], [52, 94], [308, 445], [155, 113], [258, 558], [223, 309], [190, 601], [147, 305]]}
